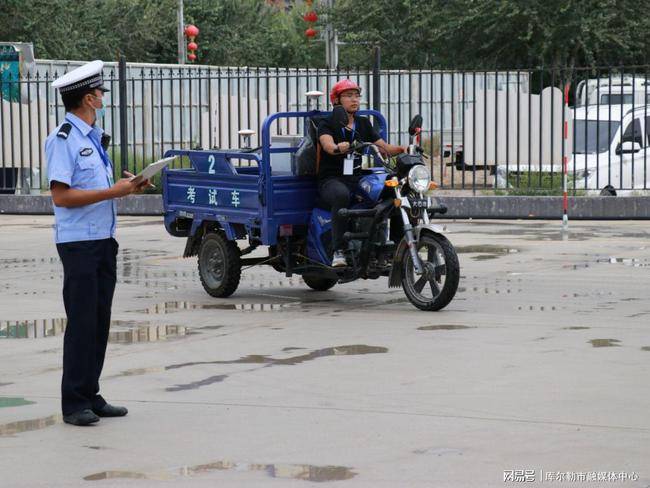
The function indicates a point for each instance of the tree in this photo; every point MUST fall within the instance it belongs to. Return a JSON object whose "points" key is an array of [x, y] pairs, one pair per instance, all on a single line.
{"points": [[401, 28], [550, 33], [472, 34], [91, 29], [251, 33]]}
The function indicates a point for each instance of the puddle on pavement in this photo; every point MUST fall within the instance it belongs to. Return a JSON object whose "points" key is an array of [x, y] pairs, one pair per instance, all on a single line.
{"points": [[198, 384], [265, 361], [352, 350], [148, 333], [122, 331], [645, 348], [632, 262], [444, 327], [577, 327], [439, 451], [486, 251], [254, 359], [5, 384], [639, 314], [137, 372], [96, 448], [605, 342], [540, 308], [28, 425], [14, 402], [172, 307], [305, 472]]}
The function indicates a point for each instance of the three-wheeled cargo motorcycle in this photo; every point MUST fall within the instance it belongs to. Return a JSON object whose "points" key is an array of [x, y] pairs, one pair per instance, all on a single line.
{"points": [[237, 195]]}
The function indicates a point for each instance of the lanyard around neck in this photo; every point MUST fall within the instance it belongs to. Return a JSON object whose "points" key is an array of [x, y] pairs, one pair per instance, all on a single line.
{"points": [[354, 124], [101, 151]]}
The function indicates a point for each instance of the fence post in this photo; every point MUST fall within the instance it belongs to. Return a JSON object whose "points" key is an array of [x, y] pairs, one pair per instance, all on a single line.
{"points": [[376, 82], [124, 147]]}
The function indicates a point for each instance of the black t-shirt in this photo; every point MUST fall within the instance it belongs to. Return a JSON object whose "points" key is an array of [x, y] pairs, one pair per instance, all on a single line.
{"points": [[332, 165]]}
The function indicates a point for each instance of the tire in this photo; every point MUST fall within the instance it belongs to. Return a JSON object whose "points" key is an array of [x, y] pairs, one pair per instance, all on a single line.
{"points": [[608, 191], [319, 283], [436, 247], [219, 265]]}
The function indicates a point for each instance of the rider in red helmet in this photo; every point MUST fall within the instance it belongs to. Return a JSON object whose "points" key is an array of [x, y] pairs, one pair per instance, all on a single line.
{"points": [[338, 177]]}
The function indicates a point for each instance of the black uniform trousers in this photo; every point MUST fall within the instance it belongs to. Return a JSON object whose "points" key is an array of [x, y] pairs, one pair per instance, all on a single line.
{"points": [[336, 192], [89, 276]]}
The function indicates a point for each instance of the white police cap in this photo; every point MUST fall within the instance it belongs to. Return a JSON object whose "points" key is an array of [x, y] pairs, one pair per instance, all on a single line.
{"points": [[84, 77]]}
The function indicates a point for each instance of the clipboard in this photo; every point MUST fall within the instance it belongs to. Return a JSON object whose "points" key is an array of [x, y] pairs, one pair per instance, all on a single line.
{"points": [[153, 169]]}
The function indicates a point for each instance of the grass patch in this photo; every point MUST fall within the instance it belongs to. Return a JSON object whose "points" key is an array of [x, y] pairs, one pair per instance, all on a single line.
{"points": [[536, 184]]}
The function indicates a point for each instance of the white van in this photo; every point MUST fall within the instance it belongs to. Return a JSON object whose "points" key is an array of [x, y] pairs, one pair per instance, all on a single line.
{"points": [[617, 90], [611, 149]]}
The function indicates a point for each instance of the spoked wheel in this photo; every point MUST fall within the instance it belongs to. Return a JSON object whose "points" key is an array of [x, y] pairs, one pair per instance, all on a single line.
{"points": [[436, 287], [319, 283], [219, 265]]}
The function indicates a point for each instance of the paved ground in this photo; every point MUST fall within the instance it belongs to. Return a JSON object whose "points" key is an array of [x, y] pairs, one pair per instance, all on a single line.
{"points": [[541, 363]]}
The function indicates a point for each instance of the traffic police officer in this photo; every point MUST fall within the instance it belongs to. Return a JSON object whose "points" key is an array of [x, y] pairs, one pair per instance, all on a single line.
{"points": [[80, 176]]}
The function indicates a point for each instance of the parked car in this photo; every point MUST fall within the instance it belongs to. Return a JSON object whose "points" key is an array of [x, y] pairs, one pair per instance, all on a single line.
{"points": [[615, 90], [611, 150]]}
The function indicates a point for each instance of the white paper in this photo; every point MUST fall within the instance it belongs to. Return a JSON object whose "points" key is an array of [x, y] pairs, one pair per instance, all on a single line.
{"points": [[154, 168]]}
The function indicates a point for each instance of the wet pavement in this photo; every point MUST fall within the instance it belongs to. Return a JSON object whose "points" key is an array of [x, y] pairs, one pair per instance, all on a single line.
{"points": [[541, 362]]}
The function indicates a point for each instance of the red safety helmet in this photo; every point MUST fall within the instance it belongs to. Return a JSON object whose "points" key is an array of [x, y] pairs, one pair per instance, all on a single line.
{"points": [[341, 86]]}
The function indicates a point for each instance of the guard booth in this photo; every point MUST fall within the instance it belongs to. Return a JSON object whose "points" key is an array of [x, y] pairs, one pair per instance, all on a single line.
{"points": [[19, 115]]}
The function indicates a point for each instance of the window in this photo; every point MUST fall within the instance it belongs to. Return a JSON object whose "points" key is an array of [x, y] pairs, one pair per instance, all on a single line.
{"points": [[617, 99], [593, 136], [633, 132]]}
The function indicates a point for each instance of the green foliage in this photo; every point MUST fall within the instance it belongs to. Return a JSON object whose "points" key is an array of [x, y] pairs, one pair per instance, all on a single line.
{"points": [[476, 34], [232, 32], [91, 29], [551, 33], [251, 33]]}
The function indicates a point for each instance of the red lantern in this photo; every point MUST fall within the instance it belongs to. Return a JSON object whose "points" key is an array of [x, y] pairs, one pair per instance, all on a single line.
{"points": [[310, 32], [192, 46], [191, 31], [191, 57], [310, 17]]}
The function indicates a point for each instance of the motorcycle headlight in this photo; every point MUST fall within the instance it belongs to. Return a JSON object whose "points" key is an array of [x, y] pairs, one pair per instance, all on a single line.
{"points": [[419, 178]]}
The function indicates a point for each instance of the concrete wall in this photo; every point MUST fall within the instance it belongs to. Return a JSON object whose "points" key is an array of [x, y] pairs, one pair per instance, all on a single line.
{"points": [[584, 208]]}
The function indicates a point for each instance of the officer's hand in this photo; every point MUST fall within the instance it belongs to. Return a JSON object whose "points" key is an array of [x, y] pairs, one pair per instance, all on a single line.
{"points": [[123, 187], [142, 185], [344, 147]]}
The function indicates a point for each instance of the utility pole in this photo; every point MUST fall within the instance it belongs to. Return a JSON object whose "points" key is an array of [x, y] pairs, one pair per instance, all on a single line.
{"points": [[182, 55], [331, 41]]}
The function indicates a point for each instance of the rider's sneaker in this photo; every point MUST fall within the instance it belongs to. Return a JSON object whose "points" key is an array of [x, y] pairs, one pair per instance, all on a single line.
{"points": [[339, 259]]}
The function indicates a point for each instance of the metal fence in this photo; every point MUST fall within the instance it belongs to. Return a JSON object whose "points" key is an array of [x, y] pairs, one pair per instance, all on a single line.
{"points": [[483, 130]]}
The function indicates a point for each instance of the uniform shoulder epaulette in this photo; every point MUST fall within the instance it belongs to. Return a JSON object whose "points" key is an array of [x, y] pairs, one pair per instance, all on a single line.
{"points": [[64, 131]]}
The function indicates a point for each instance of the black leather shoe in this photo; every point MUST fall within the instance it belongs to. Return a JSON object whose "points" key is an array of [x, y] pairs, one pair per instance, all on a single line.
{"points": [[109, 410], [81, 418]]}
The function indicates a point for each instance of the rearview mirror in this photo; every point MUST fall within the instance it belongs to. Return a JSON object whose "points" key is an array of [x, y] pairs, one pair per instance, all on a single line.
{"points": [[628, 147], [416, 124], [339, 116]]}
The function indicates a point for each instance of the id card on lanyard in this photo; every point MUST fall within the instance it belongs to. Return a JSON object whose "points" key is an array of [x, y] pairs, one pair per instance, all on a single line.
{"points": [[105, 159], [348, 163]]}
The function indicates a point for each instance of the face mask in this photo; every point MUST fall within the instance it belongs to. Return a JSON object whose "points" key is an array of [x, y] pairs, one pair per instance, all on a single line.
{"points": [[99, 112]]}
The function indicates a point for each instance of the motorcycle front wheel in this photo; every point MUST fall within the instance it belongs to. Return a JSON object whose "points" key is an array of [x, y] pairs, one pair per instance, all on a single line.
{"points": [[436, 286]]}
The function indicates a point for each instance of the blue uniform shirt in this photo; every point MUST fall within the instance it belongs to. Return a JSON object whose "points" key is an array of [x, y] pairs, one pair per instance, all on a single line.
{"points": [[79, 161]]}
